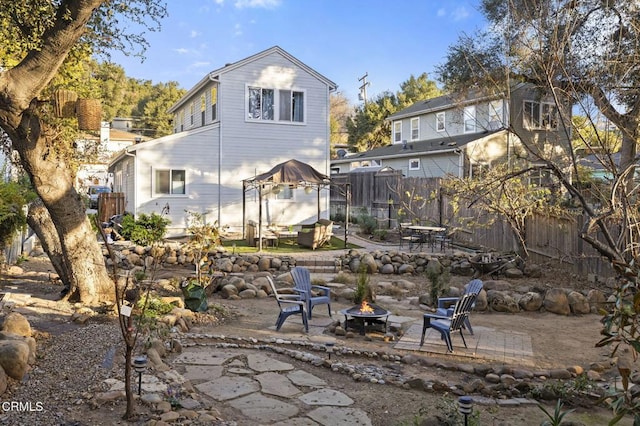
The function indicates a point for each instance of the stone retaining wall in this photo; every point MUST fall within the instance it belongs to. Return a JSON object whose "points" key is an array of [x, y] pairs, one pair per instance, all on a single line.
{"points": [[502, 295]]}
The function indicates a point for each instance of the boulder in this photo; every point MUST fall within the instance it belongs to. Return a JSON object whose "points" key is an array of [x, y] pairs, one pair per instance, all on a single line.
{"points": [[578, 303], [481, 301], [228, 291], [387, 269], [370, 262], [556, 301], [14, 358], [530, 301], [16, 323]]}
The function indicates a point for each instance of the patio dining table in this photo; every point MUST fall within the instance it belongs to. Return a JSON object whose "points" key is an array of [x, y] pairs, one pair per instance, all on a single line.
{"points": [[425, 235]]}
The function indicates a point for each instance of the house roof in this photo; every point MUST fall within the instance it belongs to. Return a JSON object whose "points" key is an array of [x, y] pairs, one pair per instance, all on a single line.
{"points": [[441, 103], [411, 149], [215, 74]]}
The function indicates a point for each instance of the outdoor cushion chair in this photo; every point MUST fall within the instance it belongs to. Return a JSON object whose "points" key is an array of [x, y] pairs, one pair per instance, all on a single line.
{"points": [[289, 304], [302, 279], [316, 235], [445, 303], [449, 324]]}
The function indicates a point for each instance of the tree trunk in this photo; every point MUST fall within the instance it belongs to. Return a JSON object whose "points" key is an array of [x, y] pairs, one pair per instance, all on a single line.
{"points": [[39, 220], [52, 179]]}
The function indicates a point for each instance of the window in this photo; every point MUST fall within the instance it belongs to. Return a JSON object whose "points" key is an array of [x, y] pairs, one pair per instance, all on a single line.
{"points": [[261, 103], [181, 120], [440, 123], [469, 119], [291, 106], [537, 115], [192, 111], [370, 163], [415, 129], [397, 131], [496, 115], [170, 181], [479, 169], [414, 164], [203, 108], [176, 123], [214, 103], [540, 177], [549, 119]]}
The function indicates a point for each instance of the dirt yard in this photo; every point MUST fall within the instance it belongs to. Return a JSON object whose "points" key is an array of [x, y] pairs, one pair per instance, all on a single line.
{"points": [[558, 342]]}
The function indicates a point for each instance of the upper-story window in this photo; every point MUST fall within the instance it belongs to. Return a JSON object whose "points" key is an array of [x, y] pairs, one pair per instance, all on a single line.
{"points": [[415, 129], [272, 105], [539, 115], [214, 103], [261, 103], [169, 181], [469, 115], [414, 164], [496, 114], [291, 106], [397, 131], [440, 122], [203, 108], [181, 119], [192, 111]]}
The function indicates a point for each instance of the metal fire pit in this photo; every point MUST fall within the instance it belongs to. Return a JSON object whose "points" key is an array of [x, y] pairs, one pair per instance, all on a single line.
{"points": [[377, 317]]}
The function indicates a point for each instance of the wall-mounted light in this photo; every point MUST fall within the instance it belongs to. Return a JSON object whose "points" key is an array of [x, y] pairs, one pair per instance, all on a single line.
{"points": [[308, 189], [276, 189]]}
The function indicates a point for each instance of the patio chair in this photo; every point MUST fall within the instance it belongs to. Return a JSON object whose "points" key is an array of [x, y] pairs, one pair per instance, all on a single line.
{"points": [[445, 303], [405, 233], [302, 279], [449, 324], [289, 304]]}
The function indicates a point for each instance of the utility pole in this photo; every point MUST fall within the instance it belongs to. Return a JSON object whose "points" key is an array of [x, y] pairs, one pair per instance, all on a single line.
{"points": [[363, 88]]}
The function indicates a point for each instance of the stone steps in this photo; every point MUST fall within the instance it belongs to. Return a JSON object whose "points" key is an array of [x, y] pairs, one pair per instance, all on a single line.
{"points": [[318, 265]]}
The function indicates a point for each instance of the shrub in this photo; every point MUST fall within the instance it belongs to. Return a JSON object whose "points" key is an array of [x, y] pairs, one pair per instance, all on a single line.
{"points": [[368, 223], [146, 230]]}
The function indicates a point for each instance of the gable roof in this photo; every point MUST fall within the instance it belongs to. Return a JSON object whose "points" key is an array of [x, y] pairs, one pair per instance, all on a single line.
{"points": [[215, 74], [412, 149], [441, 103]]}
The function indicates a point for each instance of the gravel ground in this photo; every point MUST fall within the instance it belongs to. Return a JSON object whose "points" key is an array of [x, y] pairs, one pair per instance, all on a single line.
{"points": [[71, 367]]}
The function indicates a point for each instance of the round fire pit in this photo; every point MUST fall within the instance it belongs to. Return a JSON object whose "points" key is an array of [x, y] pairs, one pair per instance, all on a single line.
{"points": [[365, 314]]}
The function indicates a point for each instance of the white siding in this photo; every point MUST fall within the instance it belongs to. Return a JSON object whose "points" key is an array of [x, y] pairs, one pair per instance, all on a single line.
{"points": [[217, 157]]}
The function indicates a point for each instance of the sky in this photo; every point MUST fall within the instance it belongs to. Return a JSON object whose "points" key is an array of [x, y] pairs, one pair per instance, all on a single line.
{"points": [[343, 40]]}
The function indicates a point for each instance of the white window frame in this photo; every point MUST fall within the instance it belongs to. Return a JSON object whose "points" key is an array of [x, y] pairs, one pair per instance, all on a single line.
{"points": [[182, 189], [441, 124], [415, 129], [193, 112], [469, 119], [539, 115], [414, 164], [279, 112], [397, 132]]}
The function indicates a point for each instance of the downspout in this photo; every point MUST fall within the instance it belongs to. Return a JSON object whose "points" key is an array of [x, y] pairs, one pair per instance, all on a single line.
{"points": [[219, 113]]}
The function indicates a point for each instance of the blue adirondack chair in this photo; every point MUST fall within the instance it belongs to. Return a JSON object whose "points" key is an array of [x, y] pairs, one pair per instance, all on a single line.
{"points": [[445, 303], [449, 324], [302, 279], [289, 304]]}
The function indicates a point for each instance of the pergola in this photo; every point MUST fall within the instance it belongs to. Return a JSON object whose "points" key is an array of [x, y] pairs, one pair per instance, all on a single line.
{"points": [[293, 173]]}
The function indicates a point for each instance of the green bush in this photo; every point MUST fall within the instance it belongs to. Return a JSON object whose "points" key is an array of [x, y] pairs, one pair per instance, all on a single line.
{"points": [[368, 224], [146, 230]]}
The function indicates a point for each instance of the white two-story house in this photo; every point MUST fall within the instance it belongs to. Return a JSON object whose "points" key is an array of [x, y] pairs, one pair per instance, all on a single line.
{"points": [[457, 136], [237, 122]]}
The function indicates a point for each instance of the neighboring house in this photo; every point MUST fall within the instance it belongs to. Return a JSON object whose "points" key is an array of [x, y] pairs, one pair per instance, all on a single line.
{"points": [[237, 122], [95, 152], [449, 136]]}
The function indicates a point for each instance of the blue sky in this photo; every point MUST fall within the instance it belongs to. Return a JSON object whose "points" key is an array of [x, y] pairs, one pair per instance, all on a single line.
{"points": [[341, 39]]}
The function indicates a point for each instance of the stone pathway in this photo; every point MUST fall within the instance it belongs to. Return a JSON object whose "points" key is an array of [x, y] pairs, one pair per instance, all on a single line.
{"points": [[266, 390]]}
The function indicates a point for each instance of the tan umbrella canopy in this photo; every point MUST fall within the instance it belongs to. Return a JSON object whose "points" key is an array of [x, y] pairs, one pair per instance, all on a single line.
{"points": [[292, 172]]}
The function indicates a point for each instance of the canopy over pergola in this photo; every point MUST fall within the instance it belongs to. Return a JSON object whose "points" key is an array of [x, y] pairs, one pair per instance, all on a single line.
{"points": [[292, 172]]}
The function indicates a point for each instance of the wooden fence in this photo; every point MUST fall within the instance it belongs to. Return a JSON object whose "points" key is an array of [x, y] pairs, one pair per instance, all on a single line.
{"points": [[391, 199]]}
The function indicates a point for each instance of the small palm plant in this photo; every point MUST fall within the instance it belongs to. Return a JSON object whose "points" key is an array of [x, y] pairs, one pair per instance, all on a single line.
{"points": [[555, 419]]}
